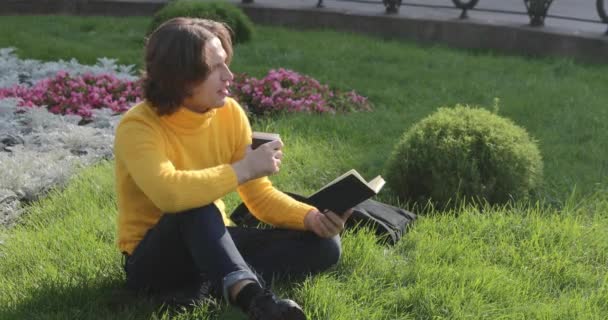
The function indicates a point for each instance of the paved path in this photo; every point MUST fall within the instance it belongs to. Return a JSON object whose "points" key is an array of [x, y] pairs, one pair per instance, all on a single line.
{"points": [[582, 9]]}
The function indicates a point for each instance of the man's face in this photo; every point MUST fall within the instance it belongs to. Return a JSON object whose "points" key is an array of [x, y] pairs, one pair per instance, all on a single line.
{"points": [[212, 92]]}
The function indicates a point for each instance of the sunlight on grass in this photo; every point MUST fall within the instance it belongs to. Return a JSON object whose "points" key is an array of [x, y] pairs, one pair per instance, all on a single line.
{"points": [[528, 260]]}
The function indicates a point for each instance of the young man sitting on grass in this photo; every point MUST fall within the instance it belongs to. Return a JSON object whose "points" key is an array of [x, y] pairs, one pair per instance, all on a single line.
{"points": [[177, 153]]}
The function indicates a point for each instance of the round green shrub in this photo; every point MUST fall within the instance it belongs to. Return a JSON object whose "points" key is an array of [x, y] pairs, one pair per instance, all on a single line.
{"points": [[241, 25], [464, 153]]}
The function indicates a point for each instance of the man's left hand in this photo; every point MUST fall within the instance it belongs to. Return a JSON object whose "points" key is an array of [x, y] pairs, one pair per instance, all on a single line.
{"points": [[326, 224]]}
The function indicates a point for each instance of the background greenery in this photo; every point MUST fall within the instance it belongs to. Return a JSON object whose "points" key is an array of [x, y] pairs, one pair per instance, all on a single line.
{"points": [[544, 260], [239, 22]]}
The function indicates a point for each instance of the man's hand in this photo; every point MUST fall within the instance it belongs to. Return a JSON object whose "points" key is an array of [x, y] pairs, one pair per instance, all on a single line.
{"points": [[327, 224], [263, 161]]}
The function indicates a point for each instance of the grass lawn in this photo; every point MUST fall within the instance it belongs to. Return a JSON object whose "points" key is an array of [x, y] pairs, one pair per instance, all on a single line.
{"points": [[525, 261]]}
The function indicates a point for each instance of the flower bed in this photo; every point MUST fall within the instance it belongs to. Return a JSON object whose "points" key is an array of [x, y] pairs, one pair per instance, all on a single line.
{"points": [[285, 90], [79, 95], [38, 149]]}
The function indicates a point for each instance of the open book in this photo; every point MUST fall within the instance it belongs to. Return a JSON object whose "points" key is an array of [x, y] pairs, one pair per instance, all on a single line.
{"points": [[345, 192], [259, 138]]}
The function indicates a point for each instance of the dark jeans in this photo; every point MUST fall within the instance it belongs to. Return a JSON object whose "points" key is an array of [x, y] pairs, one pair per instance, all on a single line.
{"points": [[191, 249]]}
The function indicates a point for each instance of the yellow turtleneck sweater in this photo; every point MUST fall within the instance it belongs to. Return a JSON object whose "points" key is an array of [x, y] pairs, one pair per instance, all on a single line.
{"points": [[170, 164]]}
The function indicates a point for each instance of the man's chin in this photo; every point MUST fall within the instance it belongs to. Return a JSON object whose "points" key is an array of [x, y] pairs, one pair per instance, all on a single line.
{"points": [[221, 102], [216, 105]]}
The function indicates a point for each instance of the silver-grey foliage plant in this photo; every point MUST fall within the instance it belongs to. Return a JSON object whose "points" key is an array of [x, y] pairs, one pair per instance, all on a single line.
{"points": [[40, 150]]}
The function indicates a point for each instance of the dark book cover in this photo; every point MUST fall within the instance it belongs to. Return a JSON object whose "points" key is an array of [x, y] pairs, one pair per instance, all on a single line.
{"points": [[342, 194]]}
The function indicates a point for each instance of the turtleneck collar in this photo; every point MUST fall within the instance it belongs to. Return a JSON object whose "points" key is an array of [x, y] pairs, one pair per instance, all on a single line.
{"points": [[188, 121]]}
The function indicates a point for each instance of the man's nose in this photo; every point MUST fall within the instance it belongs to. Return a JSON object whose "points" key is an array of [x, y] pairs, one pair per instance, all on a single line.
{"points": [[228, 76]]}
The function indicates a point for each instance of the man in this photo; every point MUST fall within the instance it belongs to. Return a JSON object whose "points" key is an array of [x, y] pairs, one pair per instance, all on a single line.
{"points": [[177, 153]]}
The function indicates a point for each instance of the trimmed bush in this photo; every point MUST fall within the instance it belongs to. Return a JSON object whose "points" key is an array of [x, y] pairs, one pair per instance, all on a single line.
{"points": [[464, 153], [241, 25]]}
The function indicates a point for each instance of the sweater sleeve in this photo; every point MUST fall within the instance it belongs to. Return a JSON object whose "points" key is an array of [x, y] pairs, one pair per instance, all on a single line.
{"points": [[141, 149], [273, 206], [266, 202]]}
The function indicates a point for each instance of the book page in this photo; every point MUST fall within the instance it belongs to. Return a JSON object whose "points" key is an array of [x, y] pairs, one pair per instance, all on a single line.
{"points": [[376, 184], [350, 172]]}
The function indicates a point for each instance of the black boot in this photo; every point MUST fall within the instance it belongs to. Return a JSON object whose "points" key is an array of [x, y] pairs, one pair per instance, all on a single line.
{"points": [[266, 306]]}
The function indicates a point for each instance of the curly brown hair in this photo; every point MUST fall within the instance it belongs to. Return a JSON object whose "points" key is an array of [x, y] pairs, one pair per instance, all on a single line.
{"points": [[175, 60]]}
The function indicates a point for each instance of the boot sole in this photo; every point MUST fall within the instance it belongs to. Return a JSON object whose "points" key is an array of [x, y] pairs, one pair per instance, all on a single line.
{"points": [[294, 314]]}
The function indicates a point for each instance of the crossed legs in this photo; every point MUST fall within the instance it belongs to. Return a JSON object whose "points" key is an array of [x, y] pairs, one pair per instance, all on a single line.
{"points": [[191, 249]]}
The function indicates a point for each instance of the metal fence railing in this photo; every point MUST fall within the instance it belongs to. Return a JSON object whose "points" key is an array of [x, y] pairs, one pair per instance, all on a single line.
{"points": [[537, 10]]}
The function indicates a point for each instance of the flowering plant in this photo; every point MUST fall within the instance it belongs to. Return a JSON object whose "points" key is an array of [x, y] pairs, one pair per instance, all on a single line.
{"points": [[285, 90], [14, 70], [78, 95]]}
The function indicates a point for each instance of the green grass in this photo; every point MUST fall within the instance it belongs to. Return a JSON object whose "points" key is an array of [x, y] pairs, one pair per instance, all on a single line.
{"points": [[84, 38], [525, 261]]}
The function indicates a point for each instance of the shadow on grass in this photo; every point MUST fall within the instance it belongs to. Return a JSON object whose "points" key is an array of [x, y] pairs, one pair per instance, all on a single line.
{"points": [[105, 300]]}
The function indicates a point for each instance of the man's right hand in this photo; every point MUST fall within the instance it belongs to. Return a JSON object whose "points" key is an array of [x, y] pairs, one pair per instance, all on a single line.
{"points": [[263, 161]]}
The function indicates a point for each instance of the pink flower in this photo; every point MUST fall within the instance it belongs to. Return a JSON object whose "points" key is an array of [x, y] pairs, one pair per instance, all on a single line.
{"points": [[66, 94], [283, 90]]}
